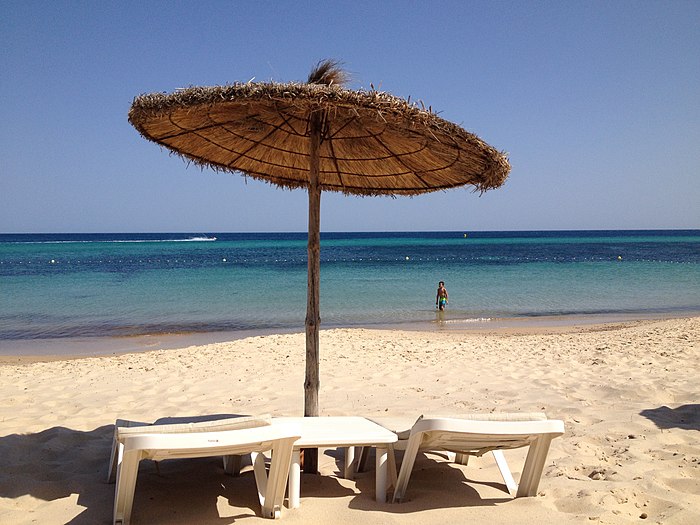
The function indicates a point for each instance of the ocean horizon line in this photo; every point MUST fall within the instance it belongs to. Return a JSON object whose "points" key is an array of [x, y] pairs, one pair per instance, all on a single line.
{"points": [[304, 232]]}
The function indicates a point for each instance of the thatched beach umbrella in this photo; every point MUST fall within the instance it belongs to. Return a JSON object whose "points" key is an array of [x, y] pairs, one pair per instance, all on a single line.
{"points": [[321, 137]]}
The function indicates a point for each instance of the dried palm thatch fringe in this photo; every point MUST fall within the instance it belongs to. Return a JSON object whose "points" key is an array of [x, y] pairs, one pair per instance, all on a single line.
{"points": [[328, 72], [373, 143]]}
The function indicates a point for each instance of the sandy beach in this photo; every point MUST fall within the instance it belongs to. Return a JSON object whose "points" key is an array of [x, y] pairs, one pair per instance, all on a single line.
{"points": [[627, 393]]}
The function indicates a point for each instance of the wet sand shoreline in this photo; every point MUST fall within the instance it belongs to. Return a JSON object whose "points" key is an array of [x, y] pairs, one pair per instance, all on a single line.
{"points": [[57, 349]]}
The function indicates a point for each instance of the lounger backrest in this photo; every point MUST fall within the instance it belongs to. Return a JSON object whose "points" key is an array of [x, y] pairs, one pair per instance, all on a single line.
{"points": [[474, 436], [502, 416], [401, 426], [218, 425]]}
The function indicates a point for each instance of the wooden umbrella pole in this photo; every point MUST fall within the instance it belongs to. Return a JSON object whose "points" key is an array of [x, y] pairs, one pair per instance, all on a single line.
{"points": [[313, 318]]}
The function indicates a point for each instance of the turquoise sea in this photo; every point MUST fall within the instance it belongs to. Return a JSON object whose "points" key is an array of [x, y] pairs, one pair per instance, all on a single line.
{"points": [[56, 286]]}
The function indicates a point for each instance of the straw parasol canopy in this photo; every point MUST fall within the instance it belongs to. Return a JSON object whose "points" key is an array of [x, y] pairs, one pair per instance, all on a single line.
{"points": [[372, 143], [322, 137]]}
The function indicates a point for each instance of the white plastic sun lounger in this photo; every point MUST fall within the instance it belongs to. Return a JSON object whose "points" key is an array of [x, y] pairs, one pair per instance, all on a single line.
{"points": [[224, 437], [475, 435]]}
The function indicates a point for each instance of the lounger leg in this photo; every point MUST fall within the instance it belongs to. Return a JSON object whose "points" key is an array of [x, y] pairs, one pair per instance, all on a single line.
{"points": [[114, 459], [119, 423], [112, 474], [461, 459], [511, 485], [392, 467], [260, 477], [534, 464], [232, 465], [277, 478], [349, 463], [409, 459], [362, 457], [294, 479], [127, 470]]}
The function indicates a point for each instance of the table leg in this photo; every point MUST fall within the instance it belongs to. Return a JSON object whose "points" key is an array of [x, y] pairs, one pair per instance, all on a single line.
{"points": [[294, 484], [232, 465], [382, 456], [349, 463]]}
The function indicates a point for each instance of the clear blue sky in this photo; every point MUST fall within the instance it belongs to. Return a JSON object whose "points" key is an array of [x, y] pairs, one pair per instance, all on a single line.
{"points": [[597, 104]]}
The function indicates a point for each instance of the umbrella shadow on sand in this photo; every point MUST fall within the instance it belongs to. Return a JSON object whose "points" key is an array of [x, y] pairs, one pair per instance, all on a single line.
{"points": [[66, 464], [59, 463], [686, 417]]}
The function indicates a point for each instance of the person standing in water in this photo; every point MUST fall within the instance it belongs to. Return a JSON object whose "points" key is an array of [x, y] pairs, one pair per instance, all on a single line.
{"points": [[441, 299]]}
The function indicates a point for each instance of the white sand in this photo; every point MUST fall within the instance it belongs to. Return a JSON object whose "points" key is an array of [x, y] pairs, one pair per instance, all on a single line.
{"points": [[628, 394]]}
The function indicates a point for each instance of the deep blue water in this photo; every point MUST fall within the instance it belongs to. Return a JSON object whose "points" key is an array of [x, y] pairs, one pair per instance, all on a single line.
{"points": [[76, 285]]}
